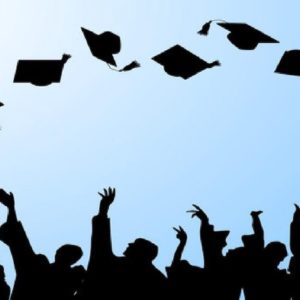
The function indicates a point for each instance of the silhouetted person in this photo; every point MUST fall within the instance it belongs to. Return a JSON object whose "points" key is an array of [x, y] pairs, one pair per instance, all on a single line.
{"points": [[36, 278], [274, 283], [30, 268], [245, 262], [65, 279], [294, 266], [184, 277], [4, 287], [133, 276], [220, 281]]}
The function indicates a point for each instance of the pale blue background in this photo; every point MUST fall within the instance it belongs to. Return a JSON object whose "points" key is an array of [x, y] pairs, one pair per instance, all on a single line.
{"points": [[227, 138]]}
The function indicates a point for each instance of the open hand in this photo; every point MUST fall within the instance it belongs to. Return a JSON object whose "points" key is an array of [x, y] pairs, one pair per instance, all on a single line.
{"points": [[108, 197], [198, 212], [7, 199], [255, 213]]}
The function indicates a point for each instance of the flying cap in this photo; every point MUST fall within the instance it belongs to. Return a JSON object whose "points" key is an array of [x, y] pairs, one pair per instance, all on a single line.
{"points": [[103, 45], [242, 35], [289, 63], [40, 72], [179, 62]]}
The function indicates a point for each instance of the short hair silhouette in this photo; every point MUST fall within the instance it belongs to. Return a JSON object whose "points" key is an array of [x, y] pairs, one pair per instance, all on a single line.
{"points": [[68, 254], [275, 252], [141, 249]]}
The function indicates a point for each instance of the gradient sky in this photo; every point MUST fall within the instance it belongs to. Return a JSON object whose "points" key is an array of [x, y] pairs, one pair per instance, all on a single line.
{"points": [[226, 139]]}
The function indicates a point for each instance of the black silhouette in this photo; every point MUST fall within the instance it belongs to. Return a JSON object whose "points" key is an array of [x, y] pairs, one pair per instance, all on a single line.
{"points": [[212, 241], [130, 66], [4, 287], [294, 266], [1, 104], [184, 277], [242, 35], [35, 277], [220, 279], [103, 46], [245, 262], [289, 63], [278, 283], [179, 62], [65, 279], [133, 275], [40, 72]]}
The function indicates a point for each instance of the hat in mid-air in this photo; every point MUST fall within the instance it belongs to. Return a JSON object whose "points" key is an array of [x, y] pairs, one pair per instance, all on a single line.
{"points": [[40, 72], [179, 62], [242, 35]]}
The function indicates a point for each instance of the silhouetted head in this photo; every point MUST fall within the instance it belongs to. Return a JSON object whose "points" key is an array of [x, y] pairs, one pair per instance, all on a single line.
{"points": [[275, 252], [42, 259], [141, 250], [2, 274], [68, 255]]}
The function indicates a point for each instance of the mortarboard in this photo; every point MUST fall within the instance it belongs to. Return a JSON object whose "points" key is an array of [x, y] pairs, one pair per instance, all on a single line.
{"points": [[103, 46], [289, 63], [179, 62], [40, 72], [242, 35], [1, 104]]}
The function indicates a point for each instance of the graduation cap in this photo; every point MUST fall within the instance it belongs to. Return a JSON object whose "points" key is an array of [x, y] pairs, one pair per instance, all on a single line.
{"points": [[289, 63], [1, 104], [179, 62], [219, 238], [103, 46], [40, 72], [242, 35]]}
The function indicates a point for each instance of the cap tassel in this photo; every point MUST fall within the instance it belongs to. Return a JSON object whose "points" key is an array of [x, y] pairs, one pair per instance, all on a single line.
{"points": [[205, 28], [214, 64], [131, 66]]}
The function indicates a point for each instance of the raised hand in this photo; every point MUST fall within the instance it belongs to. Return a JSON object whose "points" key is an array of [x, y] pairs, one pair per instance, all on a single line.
{"points": [[7, 199], [198, 212], [181, 234], [256, 213], [108, 197]]}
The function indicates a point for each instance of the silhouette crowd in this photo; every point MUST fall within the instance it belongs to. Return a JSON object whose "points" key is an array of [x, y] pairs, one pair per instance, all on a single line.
{"points": [[252, 268]]}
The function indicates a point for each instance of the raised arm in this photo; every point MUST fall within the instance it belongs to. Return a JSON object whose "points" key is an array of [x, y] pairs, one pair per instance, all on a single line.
{"points": [[9, 201], [101, 248], [13, 234], [206, 232], [182, 237], [257, 228], [295, 232], [205, 227]]}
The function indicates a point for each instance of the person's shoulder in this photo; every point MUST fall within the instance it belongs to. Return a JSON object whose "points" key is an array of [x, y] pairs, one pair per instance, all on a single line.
{"points": [[157, 273]]}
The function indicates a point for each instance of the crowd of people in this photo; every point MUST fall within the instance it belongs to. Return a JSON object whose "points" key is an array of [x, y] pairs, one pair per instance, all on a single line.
{"points": [[252, 268]]}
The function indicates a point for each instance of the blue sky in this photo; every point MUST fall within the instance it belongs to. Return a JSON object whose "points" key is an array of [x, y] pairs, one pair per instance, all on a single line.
{"points": [[226, 139]]}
